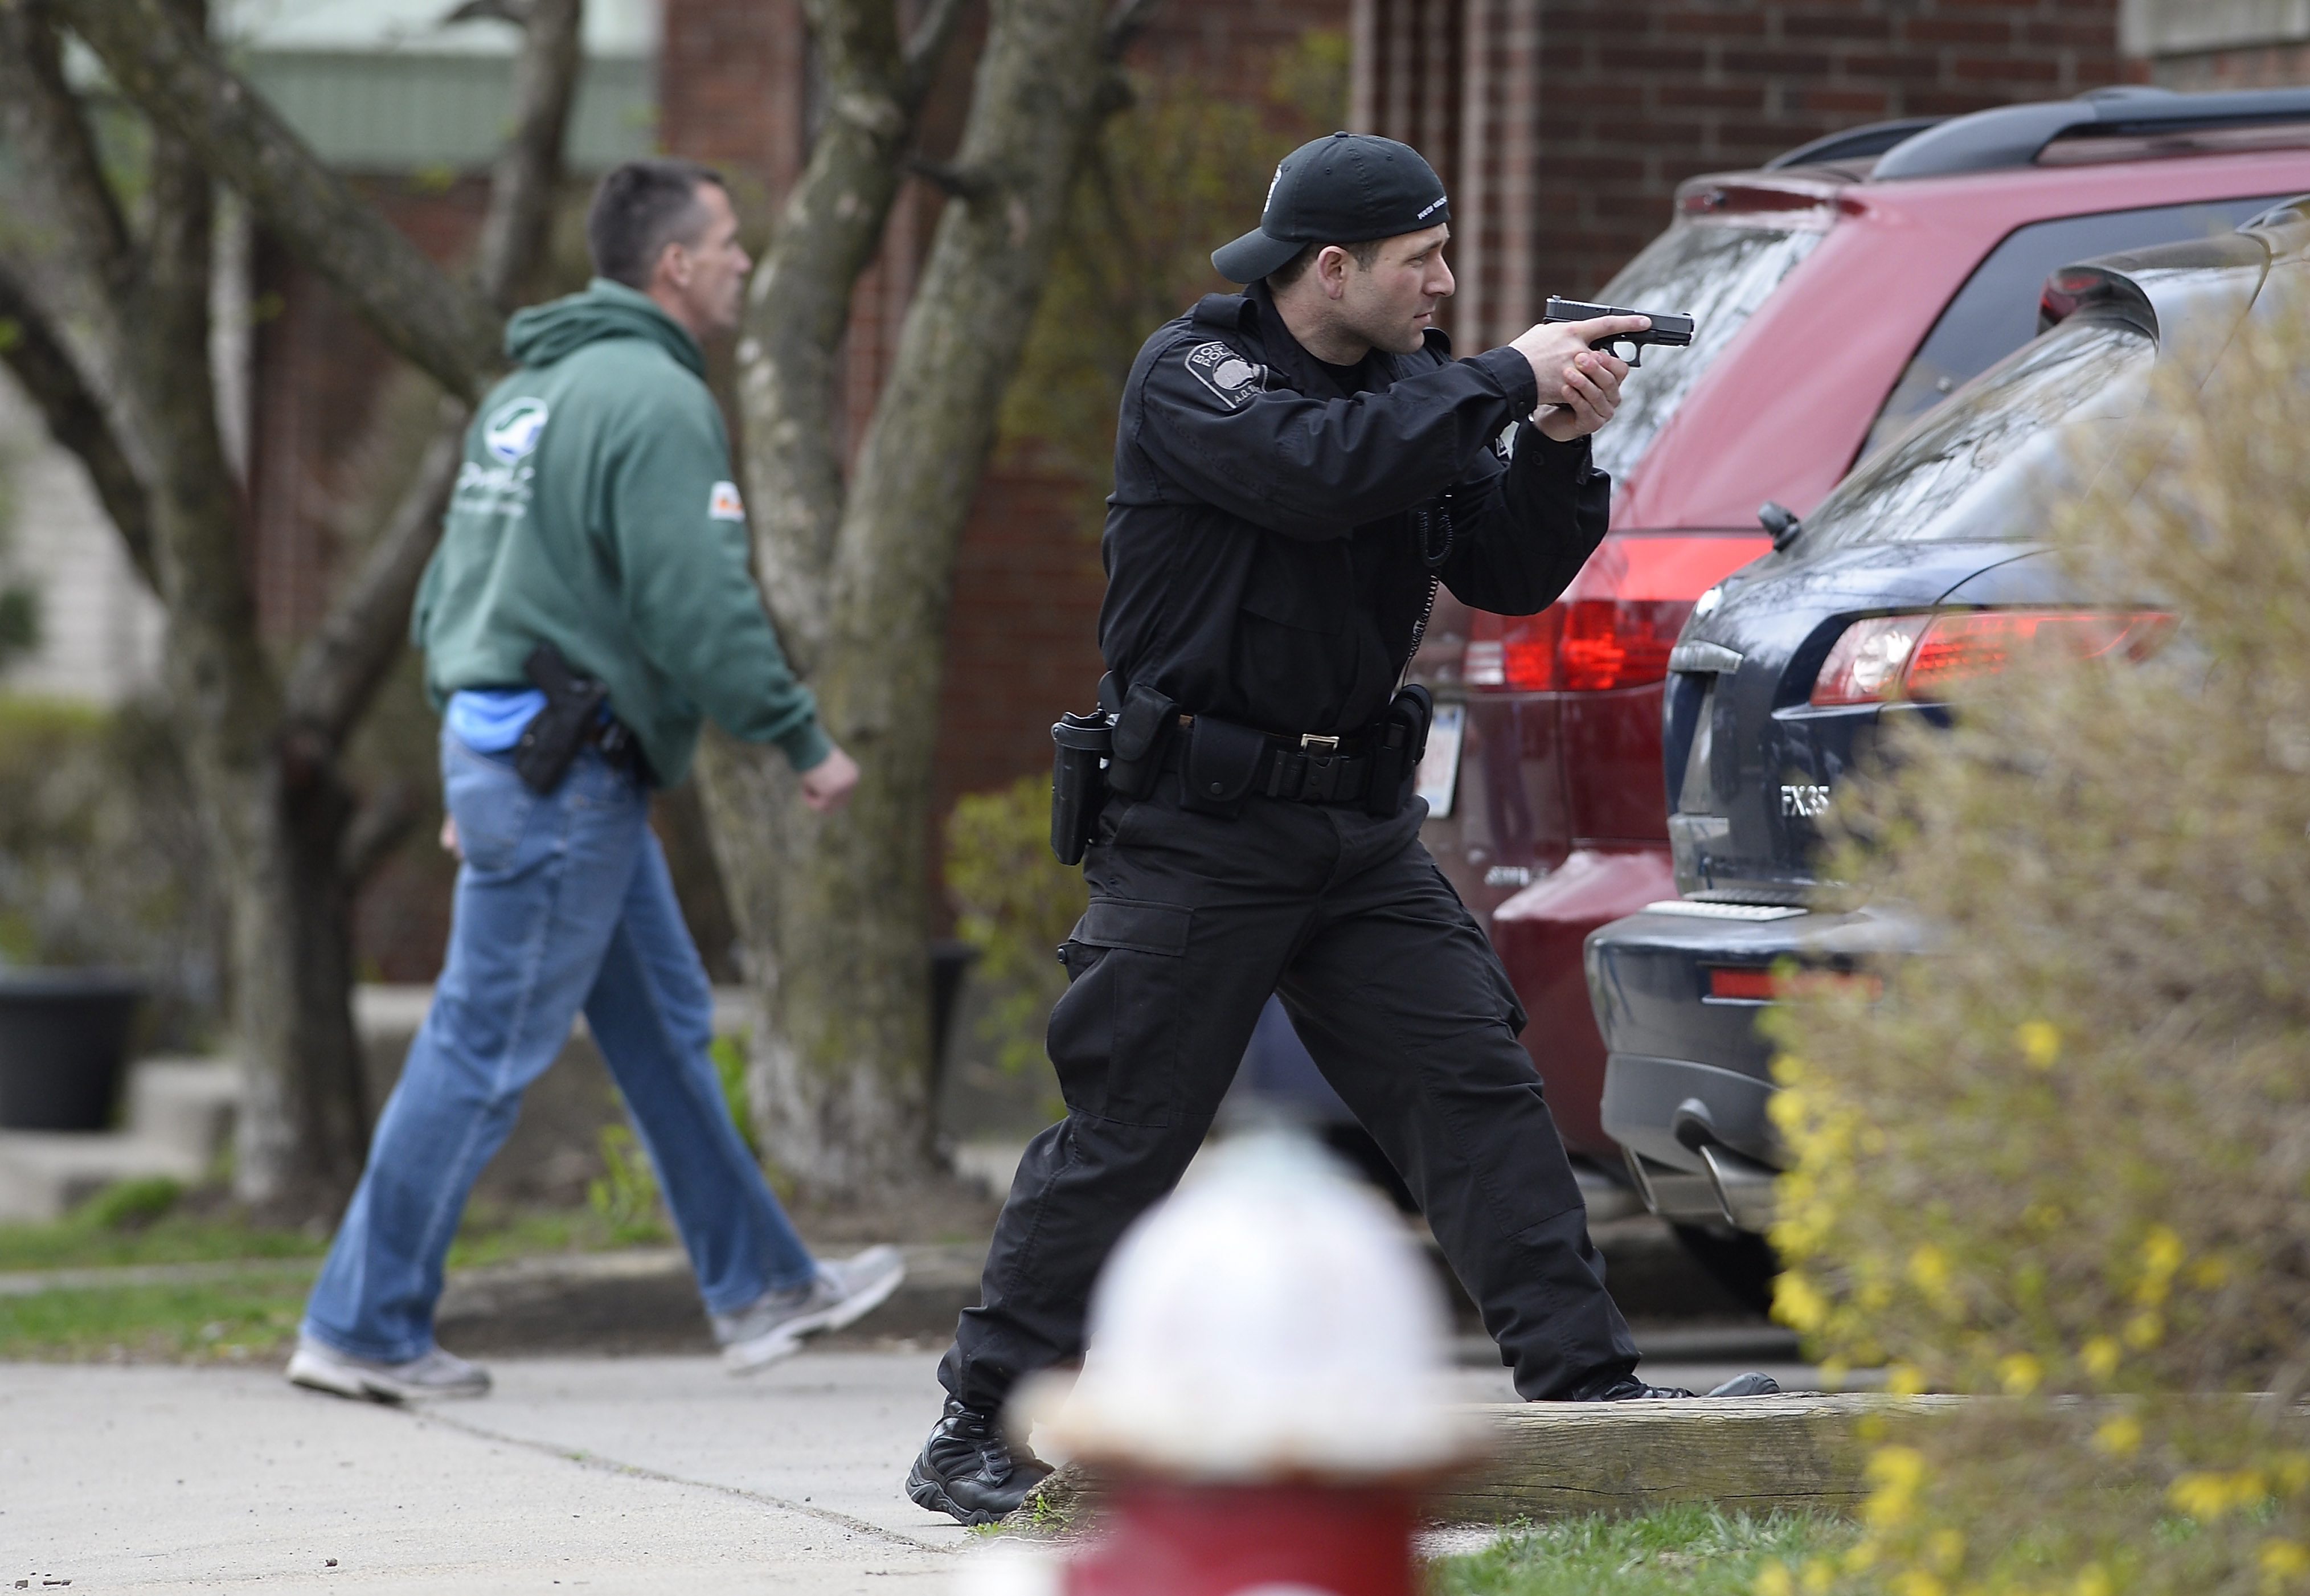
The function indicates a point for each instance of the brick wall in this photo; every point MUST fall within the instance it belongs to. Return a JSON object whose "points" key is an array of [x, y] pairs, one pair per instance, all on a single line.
{"points": [[1580, 116], [319, 373]]}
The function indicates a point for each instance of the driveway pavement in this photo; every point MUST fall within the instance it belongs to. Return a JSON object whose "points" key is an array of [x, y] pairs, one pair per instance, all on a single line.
{"points": [[631, 1475]]}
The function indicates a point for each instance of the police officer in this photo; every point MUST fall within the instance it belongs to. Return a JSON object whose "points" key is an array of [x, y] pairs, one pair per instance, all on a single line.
{"points": [[1297, 466]]}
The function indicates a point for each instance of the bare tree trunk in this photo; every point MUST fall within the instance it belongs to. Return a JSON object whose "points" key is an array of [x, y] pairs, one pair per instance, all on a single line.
{"points": [[837, 911], [139, 407]]}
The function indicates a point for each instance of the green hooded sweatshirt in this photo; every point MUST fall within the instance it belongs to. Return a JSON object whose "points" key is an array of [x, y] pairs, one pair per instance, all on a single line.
{"points": [[595, 511]]}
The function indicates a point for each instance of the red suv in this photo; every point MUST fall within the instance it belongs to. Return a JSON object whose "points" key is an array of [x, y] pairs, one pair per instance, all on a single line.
{"points": [[1840, 292]]}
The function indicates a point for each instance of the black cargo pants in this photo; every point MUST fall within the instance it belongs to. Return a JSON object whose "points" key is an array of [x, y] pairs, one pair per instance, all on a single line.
{"points": [[1194, 920]]}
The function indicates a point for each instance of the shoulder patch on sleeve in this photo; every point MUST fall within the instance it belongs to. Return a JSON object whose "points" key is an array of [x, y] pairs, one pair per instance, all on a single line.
{"points": [[1231, 378], [723, 504]]}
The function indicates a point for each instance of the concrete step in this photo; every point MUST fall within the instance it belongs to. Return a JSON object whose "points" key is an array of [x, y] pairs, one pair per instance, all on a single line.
{"points": [[178, 1119]]}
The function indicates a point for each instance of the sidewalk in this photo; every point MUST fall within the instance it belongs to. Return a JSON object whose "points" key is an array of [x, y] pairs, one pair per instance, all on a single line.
{"points": [[634, 1474], [628, 1475]]}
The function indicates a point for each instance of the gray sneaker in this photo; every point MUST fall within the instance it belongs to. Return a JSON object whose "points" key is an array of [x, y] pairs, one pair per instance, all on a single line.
{"points": [[776, 1325], [318, 1366]]}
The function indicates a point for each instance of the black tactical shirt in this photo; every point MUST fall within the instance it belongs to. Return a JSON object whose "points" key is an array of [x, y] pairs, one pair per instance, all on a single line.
{"points": [[1263, 559]]}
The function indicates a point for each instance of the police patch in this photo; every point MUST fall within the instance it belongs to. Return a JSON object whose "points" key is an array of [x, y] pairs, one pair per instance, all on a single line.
{"points": [[1226, 373], [723, 504]]}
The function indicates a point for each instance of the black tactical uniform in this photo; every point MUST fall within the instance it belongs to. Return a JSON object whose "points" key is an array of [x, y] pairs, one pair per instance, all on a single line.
{"points": [[1276, 531], [1266, 569]]}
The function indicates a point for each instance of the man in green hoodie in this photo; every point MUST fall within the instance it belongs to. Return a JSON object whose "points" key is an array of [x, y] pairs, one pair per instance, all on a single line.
{"points": [[596, 512]]}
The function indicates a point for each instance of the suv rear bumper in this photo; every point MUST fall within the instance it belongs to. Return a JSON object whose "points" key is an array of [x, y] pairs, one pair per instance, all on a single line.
{"points": [[1688, 1081]]}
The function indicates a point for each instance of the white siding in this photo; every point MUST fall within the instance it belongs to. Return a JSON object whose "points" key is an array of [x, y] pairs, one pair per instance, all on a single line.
{"points": [[100, 626]]}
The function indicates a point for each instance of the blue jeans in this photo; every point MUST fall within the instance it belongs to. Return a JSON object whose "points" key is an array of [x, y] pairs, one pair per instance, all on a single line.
{"points": [[564, 901]]}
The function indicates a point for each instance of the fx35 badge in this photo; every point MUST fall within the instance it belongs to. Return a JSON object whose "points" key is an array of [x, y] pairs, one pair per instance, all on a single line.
{"points": [[1803, 799]]}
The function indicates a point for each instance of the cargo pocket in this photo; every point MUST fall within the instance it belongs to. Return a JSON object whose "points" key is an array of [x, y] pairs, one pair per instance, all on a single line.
{"points": [[1113, 1037]]}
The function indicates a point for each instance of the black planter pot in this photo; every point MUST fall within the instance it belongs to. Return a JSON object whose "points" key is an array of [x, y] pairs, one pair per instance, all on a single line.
{"points": [[63, 1045]]}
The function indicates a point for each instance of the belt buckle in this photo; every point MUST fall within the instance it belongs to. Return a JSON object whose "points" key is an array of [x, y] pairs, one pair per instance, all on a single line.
{"points": [[1310, 742]]}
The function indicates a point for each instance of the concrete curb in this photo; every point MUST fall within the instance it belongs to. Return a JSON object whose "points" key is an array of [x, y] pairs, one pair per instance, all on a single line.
{"points": [[1565, 1460], [646, 1300]]}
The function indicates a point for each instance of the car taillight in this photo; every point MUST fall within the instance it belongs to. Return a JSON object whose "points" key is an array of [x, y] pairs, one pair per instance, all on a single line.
{"points": [[1616, 624], [1927, 656], [1739, 984]]}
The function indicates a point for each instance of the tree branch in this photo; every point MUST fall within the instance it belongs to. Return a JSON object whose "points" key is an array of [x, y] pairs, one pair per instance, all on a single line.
{"points": [[926, 45], [528, 170], [1125, 24], [176, 77], [952, 181], [381, 825], [799, 304], [76, 420], [61, 231], [349, 655]]}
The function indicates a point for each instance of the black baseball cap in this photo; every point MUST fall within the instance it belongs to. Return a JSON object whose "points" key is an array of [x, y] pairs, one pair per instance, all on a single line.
{"points": [[1349, 188]]}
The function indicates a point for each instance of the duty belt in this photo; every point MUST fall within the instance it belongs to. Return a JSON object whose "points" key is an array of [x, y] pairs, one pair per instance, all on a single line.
{"points": [[1313, 768]]}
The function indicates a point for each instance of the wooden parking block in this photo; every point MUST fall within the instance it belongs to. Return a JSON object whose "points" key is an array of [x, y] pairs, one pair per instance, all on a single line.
{"points": [[1754, 1454], [1565, 1460]]}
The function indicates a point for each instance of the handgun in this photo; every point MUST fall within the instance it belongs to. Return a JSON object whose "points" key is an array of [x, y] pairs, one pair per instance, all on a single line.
{"points": [[1666, 328]]}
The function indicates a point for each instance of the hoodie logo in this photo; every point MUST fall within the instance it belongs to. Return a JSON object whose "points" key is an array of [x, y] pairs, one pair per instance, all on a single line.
{"points": [[1226, 373], [513, 430], [723, 504]]}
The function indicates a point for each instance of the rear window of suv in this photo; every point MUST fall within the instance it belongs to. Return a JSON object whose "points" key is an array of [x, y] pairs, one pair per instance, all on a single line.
{"points": [[1992, 452], [1717, 270], [1996, 312]]}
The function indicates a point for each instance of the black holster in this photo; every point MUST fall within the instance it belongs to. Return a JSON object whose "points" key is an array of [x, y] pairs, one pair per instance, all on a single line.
{"points": [[552, 738], [1078, 781], [1145, 721], [1398, 742]]}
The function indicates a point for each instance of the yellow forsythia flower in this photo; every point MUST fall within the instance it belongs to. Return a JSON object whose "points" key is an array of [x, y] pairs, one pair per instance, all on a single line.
{"points": [[1916, 1582], [1798, 1304], [2100, 1356], [1904, 1379], [2093, 1580], [2041, 1044], [2144, 1331], [2120, 1437], [2205, 1497], [1929, 1267], [2283, 1563], [1773, 1580], [2019, 1373]]}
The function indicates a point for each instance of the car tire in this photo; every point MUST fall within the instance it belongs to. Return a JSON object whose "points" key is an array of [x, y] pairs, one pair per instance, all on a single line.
{"points": [[1740, 1261]]}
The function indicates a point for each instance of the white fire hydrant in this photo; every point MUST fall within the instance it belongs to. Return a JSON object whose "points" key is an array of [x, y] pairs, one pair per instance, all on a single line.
{"points": [[1263, 1388]]}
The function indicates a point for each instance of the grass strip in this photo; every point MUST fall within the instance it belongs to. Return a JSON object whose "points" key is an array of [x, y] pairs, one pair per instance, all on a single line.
{"points": [[231, 1315], [1694, 1550], [236, 1318]]}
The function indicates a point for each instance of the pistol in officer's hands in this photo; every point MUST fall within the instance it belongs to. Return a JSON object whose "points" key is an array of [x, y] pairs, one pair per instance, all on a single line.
{"points": [[1659, 327]]}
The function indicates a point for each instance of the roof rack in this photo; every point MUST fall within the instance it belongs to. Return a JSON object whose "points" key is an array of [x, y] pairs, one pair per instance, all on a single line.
{"points": [[1854, 144], [2015, 136]]}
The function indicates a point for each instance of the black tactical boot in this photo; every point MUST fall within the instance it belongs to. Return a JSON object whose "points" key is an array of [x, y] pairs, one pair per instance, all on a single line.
{"points": [[1627, 1388], [968, 1470]]}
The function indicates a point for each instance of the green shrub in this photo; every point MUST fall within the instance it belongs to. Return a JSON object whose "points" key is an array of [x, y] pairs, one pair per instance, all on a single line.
{"points": [[1017, 903], [131, 1204], [626, 1195], [2065, 1160]]}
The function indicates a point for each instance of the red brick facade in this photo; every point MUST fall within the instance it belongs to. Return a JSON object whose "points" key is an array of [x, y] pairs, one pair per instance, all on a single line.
{"points": [[1581, 117]]}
